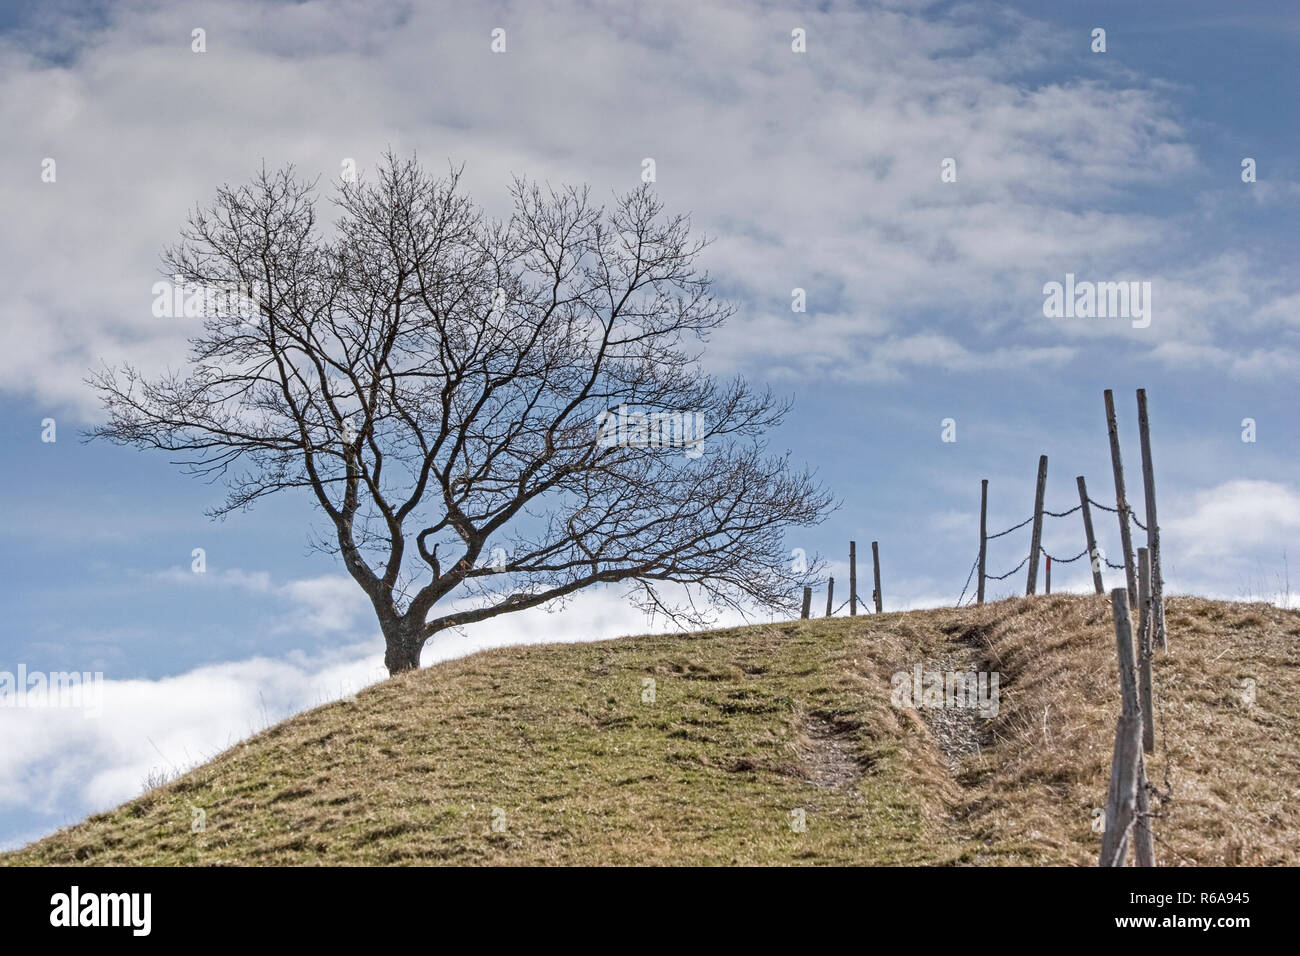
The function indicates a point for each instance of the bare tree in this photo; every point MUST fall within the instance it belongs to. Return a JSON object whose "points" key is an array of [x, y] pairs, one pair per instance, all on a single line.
{"points": [[478, 406]]}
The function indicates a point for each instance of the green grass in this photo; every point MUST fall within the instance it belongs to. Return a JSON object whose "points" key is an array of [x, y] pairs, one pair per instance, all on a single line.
{"points": [[559, 746]]}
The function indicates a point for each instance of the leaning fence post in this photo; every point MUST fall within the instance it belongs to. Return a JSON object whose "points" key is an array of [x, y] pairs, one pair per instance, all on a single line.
{"points": [[1145, 624], [984, 540], [807, 603], [853, 578], [1093, 557], [1121, 800], [875, 567], [1143, 838], [1037, 541], [1121, 499], [830, 595], [1153, 525]]}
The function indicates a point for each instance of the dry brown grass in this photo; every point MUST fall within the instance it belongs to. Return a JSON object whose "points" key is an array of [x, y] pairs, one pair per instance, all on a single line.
{"points": [[1231, 772], [748, 725]]}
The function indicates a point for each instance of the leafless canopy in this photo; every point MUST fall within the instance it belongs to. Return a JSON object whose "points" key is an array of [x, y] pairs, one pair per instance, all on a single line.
{"points": [[437, 380]]}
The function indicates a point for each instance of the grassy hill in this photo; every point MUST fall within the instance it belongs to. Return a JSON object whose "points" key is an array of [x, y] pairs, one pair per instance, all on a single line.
{"points": [[556, 754]]}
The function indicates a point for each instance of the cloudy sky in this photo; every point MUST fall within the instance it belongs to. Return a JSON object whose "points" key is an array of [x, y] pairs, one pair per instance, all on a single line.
{"points": [[818, 170]]}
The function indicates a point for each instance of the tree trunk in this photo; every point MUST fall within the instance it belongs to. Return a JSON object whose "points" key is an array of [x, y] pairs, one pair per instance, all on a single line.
{"points": [[402, 651]]}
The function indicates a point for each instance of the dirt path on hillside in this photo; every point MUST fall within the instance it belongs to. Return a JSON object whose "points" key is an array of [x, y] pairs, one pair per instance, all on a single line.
{"points": [[826, 754], [960, 732]]}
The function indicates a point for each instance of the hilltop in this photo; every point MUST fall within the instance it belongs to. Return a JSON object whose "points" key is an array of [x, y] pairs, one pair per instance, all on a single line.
{"points": [[709, 748]]}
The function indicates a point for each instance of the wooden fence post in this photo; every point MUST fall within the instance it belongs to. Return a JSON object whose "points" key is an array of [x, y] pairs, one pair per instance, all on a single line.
{"points": [[1094, 558], [807, 603], [853, 578], [875, 566], [1153, 525], [1145, 625], [1031, 586], [830, 596], [984, 541], [1143, 836], [1122, 798], [1121, 498]]}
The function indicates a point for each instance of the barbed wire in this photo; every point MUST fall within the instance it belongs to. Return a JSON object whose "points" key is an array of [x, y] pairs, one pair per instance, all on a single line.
{"points": [[1046, 513], [1131, 516], [990, 537], [1049, 514], [1062, 514], [973, 566], [1003, 577], [1056, 560]]}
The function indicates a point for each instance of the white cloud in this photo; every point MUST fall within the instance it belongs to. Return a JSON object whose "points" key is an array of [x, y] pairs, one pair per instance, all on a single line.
{"points": [[65, 761], [819, 170], [1236, 518]]}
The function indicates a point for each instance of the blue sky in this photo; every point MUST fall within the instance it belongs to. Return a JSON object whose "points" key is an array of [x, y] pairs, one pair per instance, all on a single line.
{"points": [[817, 170]]}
